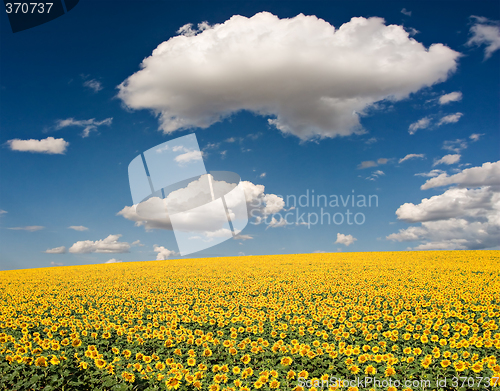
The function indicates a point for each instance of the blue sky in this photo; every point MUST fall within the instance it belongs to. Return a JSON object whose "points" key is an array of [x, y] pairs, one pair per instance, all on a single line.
{"points": [[400, 102]]}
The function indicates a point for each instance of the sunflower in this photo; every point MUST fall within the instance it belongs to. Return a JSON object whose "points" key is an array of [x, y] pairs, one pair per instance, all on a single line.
{"points": [[100, 363], [41, 361]]}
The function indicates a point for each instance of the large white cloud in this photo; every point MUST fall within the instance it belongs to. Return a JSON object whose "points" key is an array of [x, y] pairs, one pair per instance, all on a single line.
{"points": [[459, 218], [107, 245], [470, 203], [153, 213], [49, 145], [486, 175], [312, 80]]}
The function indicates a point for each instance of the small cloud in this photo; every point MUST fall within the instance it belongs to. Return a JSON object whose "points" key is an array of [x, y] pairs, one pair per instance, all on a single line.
{"points": [[93, 84], [375, 175], [274, 223], [2, 212], [367, 164], [405, 12], [422, 123], [455, 145], [451, 97], [163, 253], [56, 250], [431, 174], [346, 240], [318, 252], [30, 228], [485, 32], [412, 156], [223, 154], [107, 245], [230, 140], [448, 159], [371, 140], [88, 125], [449, 119], [78, 228], [113, 260], [137, 243], [243, 237], [55, 264], [371, 163], [263, 175], [50, 145], [476, 136], [241, 254], [190, 156]]}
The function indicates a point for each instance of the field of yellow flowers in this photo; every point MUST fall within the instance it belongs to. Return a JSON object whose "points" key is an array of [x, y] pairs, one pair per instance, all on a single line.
{"points": [[244, 323]]}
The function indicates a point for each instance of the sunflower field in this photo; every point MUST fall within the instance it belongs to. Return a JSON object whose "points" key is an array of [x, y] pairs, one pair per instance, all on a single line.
{"points": [[277, 322]]}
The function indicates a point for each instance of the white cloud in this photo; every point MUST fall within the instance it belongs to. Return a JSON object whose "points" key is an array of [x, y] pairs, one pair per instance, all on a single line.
{"points": [[447, 159], [2, 212], [48, 145], [163, 253], [107, 245], [475, 136], [243, 237], [459, 218], [453, 203], [422, 123], [371, 140], [346, 240], [451, 97], [431, 174], [274, 223], [486, 175], [412, 156], [449, 119], [55, 264], [455, 145], [263, 175], [485, 32], [30, 228], [190, 156], [202, 76], [375, 175], [258, 204], [88, 125], [367, 164], [56, 250], [318, 252], [405, 12], [78, 228], [137, 243], [456, 219], [114, 260], [372, 163], [93, 84]]}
